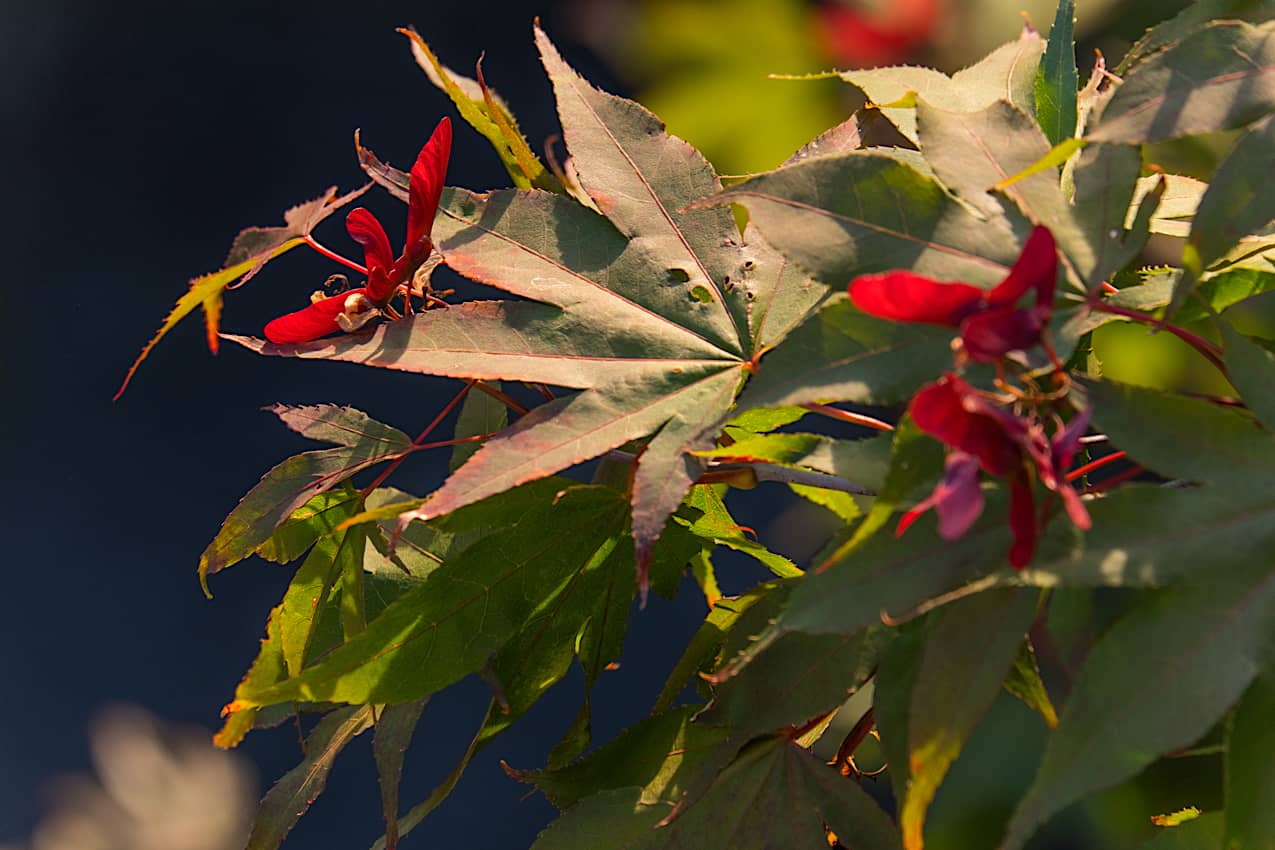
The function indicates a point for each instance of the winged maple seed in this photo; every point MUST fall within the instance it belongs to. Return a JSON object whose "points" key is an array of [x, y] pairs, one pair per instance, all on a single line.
{"points": [[387, 277], [979, 429], [991, 325], [982, 435]]}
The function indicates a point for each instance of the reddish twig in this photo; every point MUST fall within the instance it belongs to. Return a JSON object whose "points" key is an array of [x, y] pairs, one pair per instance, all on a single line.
{"points": [[420, 438], [334, 256], [1206, 349], [1099, 463], [849, 416], [1119, 478], [520, 409]]}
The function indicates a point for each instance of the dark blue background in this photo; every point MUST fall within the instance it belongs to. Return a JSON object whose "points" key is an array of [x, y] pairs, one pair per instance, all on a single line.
{"points": [[140, 138]]}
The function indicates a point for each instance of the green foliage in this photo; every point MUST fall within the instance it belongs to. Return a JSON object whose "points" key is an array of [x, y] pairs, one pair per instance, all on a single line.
{"points": [[676, 331], [1057, 81]]}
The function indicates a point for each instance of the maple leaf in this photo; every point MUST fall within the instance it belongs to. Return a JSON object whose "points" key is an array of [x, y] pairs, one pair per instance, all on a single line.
{"points": [[650, 313], [252, 249]]}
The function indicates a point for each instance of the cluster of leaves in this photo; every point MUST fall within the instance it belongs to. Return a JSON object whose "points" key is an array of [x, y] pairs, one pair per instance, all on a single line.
{"points": [[679, 343]]}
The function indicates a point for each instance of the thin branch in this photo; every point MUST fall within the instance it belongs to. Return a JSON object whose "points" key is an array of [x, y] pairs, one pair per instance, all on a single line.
{"points": [[515, 406], [418, 443], [1098, 463], [840, 415], [1207, 350], [334, 256]]}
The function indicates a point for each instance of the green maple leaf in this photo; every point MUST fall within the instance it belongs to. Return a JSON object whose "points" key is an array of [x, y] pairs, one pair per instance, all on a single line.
{"points": [[775, 795], [650, 314]]}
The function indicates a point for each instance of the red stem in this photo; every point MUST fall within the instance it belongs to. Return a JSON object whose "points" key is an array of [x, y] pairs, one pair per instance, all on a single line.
{"points": [[499, 396], [1206, 349], [454, 442], [847, 416], [1119, 478], [418, 443], [333, 255], [1094, 464]]}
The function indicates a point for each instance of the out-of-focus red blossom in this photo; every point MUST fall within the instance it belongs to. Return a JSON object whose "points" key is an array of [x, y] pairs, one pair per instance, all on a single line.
{"points": [[385, 274], [856, 38], [982, 435], [991, 325]]}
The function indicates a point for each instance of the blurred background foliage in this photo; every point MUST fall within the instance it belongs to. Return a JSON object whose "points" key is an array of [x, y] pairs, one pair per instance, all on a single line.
{"points": [[705, 66]]}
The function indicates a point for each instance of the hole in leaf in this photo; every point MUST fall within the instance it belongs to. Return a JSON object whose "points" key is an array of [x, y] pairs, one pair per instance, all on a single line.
{"points": [[701, 294], [678, 276]]}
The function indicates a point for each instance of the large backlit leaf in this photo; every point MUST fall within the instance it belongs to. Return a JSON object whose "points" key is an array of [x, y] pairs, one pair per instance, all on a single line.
{"points": [[252, 249], [362, 442], [842, 354], [1218, 78], [650, 311], [394, 727], [861, 212], [1007, 73]]}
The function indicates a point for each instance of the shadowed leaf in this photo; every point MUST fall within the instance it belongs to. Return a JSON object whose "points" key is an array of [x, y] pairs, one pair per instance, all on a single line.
{"points": [[363, 442], [1189, 20], [1250, 769], [1157, 681], [292, 795], [1251, 369], [970, 646], [448, 626], [1236, 204], [1218, 78], [394, 728], [1024, 682], [658, 755], [775, 796], [793, 680]]}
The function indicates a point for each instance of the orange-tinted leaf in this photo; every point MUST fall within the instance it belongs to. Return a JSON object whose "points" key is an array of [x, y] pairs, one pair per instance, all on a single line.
{"points": [[252, 249]]}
